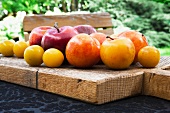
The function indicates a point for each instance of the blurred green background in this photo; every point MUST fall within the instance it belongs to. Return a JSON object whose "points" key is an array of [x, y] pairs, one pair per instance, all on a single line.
{"points": [[150, 17]]}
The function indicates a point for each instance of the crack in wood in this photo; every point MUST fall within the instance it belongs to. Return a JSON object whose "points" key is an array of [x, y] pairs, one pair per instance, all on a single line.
{"points": [[79, 80], [151, 76], [37, 79]]}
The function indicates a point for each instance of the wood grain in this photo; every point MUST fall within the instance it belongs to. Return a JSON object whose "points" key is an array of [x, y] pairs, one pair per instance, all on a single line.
{"points": [[71, 87], [26, 36], [18, 76], [16, 71], [97, 85], [97, 20], [101, 21], [124, 86], [157, 83]]}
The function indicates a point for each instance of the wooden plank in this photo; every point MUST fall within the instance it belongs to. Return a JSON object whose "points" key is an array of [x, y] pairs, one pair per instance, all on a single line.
{"points": [[67, 86], [108, 31], [123, 86], [157, 83], [101, 21], [18, 76], [92, 85], [97, 20], [26, 36], [97, 85], [13, 70]]}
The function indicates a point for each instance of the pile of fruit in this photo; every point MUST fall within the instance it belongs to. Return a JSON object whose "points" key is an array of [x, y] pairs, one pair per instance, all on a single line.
{"points": [[83, 47]]}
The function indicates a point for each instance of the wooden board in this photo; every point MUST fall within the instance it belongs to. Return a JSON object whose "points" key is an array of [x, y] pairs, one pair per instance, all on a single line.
{"points": [[157, 81], [101, 21], [97, 85], [97, 20], [14, 71]]}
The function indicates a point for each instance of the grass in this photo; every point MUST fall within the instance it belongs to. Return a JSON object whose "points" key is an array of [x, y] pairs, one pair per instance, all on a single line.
{"points": [[165, 51]]}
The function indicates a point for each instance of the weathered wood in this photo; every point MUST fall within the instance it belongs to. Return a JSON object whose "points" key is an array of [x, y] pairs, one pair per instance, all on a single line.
{"points": [[107, 31], [97, 85], [126, 85], [97, 20], [26, 36], [72, 87], [14, 70], [18, 76], [157, 83]]}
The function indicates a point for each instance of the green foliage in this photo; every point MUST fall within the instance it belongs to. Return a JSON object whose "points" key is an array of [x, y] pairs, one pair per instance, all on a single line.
{"points": [[151, 17], [137, 23], [42, 6], [165, 51], [162, 1], [161, 22], [158, 39], [29, 6]]}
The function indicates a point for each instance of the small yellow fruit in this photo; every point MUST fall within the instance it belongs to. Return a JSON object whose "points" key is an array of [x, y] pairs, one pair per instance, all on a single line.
{"points": [[33, 55], [19, 48], [0, 46], [118, 53], [53, 57], [6, 48], [149, 56]]}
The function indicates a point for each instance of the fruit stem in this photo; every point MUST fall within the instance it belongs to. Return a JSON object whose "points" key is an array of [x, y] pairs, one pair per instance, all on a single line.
{"points": [[110, 37], [56, 26]]}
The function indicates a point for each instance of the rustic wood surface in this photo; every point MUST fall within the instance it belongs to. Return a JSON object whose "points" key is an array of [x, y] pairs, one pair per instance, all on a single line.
{"points": [[16, 71], [101, 21], [97, 85], [157, 83], [97, 20]]}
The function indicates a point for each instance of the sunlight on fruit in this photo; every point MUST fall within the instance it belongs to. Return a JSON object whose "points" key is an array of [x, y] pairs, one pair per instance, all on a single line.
{"points": [[83, 51], [33, 55], [19, 48], [149, 56], [6, 48], [138, 39], [118, 53], [53, 57]]}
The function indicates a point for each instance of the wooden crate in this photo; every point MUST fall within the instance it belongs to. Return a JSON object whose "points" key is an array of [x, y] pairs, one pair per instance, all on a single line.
{"points": [[97, 85]]}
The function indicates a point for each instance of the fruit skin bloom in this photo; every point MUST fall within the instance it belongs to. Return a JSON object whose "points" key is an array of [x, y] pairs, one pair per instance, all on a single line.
{"points": [[53, 57], [149, 56]]}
